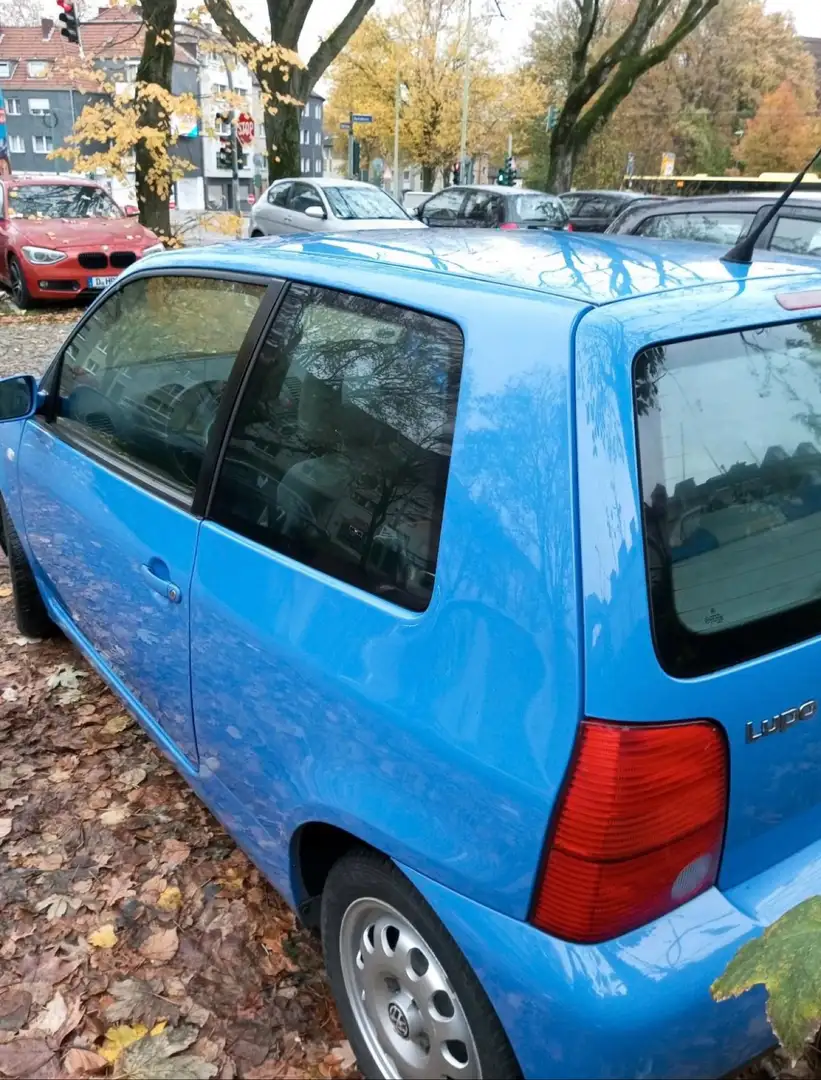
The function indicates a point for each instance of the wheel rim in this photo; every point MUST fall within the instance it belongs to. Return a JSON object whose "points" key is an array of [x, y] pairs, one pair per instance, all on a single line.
{"points": [[403, 1002], [16, 282]]}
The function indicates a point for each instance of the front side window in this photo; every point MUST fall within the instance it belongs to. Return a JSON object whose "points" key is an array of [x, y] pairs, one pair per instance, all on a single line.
{"points": [[444, 208], [278, 195], [730, 453], [718, 227], [143, 378], [61, 200], [303, 196], [340, 450], [798, 236], [482, 208], [363, 202]]}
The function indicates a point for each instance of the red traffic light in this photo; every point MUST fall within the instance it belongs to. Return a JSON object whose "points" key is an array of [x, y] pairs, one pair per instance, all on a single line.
{"points": [[66, 5]]}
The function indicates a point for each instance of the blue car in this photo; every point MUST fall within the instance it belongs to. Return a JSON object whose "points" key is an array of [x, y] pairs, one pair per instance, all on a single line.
{"points": [[474, 583]]}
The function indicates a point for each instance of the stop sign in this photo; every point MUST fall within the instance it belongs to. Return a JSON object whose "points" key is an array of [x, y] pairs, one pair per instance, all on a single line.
{"points": [[245, 128], [251, 198]]}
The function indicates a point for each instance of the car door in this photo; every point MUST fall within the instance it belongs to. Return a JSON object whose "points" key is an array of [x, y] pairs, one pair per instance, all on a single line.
{"points": [[108, 483], [303, 197], [443, 210], [273, 213], [327, 509]]}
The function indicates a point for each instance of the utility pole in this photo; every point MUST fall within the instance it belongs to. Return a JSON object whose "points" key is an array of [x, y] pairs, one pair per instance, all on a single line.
{"points": [[350, 147], [234, 163], [397, 180], [463, 144]]}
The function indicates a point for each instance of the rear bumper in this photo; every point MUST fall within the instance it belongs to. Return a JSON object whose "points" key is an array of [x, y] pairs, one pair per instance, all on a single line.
{"points": [[638, 1006]]}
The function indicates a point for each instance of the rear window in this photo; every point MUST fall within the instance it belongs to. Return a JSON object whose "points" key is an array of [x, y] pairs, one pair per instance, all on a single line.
{"points": [[729, 432], [539, 208], [715, 228]]}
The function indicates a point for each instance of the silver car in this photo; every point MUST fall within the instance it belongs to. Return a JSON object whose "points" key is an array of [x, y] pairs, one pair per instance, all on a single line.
{"points": [[326, 205]]}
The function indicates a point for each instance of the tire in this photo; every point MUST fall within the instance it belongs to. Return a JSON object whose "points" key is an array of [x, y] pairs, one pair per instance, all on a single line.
{"points": [[368, 909], [19, 290], [256, 233], [30, 612]]}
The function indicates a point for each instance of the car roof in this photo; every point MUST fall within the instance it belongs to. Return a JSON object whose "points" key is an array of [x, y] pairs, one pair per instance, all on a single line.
{"points": [[593, 269], [73, 181], [611, 194], [325, 181], [747, 199]]}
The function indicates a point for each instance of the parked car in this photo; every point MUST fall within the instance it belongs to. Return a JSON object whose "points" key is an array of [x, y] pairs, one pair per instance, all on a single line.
{"points": [[325, 204], [64, 239], [489, 206], [723, 219], [367, 536], [592, 211], [412, 199]]}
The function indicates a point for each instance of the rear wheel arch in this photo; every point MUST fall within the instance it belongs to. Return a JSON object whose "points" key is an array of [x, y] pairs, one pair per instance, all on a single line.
{"points": [[316, 847]]}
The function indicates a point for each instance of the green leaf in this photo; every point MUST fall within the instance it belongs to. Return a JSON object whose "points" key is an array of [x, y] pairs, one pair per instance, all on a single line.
{"points": [[159, 1057], [786, 959]]}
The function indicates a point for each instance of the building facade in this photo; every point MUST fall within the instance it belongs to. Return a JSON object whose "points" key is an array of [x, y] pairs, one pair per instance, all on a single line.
{"points": [[45, 90]]}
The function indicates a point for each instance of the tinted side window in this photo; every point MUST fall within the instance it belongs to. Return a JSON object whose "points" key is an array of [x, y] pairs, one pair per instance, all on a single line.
{"points": [[145, 375], [278, 196], [595, 207], [482, 208], [303, 196], [720, 227], [572, 203], [730, 451], [445, 207], [799, 236], [339, 454]]}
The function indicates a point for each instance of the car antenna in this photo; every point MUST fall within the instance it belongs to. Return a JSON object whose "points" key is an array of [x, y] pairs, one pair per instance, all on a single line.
{"points": [[742, 251]]}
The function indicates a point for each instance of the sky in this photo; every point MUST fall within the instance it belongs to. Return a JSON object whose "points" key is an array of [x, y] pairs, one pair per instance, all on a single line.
{"points": [[519, 17]]}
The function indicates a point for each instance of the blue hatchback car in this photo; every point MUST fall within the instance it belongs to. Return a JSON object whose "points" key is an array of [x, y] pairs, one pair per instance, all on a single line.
{"points": [[474, 583]]}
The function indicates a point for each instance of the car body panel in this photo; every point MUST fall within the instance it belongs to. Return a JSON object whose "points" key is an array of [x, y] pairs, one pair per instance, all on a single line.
{"points": [[774, 789], [334, 712], [90, 532]]}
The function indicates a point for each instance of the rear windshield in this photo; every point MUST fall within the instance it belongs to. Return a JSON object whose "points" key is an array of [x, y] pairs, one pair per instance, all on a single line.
{"points": [[546, 208], [729, 432]]}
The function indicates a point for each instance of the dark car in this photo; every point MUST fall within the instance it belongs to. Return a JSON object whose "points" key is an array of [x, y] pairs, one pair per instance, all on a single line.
{"points": [[592, 211], [722, 219], [488, 206]]}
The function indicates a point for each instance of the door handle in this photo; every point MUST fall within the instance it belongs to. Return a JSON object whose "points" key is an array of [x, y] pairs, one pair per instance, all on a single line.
{"points": [[159, 582]]}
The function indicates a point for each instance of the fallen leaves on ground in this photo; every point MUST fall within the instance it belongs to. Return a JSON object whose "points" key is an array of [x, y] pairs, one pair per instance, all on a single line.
{"points": [[137, 941]]}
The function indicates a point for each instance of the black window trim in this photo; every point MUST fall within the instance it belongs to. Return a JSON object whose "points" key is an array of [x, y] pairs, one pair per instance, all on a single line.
{"points": [[803, 213], [236, 401], [727, 647], [131, 470]]}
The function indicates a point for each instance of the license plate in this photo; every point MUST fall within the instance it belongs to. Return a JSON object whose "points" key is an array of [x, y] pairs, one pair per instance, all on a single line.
{"points": [[100, 282]]}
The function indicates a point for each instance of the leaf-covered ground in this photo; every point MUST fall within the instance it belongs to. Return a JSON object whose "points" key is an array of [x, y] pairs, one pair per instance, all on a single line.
{"points": [[135, 939]]}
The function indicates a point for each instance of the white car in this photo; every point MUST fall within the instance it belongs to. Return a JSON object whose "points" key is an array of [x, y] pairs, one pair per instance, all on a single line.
{"points": [[326, 205]]}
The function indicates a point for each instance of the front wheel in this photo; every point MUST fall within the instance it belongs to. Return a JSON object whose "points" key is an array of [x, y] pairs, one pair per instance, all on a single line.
{"points": [[19, 290], [410, 1004]]}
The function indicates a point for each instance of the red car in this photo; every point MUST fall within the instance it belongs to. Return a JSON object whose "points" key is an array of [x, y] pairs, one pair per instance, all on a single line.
{"points": [[61, 238]]}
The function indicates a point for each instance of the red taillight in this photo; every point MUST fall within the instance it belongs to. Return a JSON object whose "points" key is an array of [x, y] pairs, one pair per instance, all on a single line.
{"points": [[639, 829], [509, 225], [569, 227]]}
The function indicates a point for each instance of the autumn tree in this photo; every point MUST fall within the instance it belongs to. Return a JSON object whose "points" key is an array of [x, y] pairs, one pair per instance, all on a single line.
{"points": [[782, 135], [153, 115], [606, 48], [284, 85], [422, 45]]}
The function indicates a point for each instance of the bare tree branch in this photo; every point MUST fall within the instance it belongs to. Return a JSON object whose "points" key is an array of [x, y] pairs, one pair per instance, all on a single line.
{"points": [[333, 45]]}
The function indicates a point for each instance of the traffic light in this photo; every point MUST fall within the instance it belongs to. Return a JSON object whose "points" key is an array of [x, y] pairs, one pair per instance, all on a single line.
{"points": [[68, 17], [224, 157], [508, 175], [356, 157]]}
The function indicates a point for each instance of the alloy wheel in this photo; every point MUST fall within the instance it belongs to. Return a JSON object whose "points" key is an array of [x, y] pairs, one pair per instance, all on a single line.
{"points": [[403, 1002]]}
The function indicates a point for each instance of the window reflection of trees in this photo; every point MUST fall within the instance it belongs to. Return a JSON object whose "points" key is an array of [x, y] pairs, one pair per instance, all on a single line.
{"points": [[345, 433]]}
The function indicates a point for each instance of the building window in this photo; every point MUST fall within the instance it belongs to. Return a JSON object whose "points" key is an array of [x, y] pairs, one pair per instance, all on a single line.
{"points": [[17, 144], [13, 106], [39, 106], [317, 111], [318, 166], [5, 69], [306, 112], [38, 69], [131, 68], [317, 138], [42, 144], [306, 165]]}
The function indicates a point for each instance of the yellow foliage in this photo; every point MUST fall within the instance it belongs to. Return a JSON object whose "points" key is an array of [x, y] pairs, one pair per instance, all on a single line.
{"points": [[119, 1037], [170, 899], [104, 938]]}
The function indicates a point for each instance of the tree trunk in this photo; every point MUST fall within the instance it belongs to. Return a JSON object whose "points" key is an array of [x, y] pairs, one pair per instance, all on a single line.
{"points": [[562, 164], [156, 64], [428, 177], [282, 127]]}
